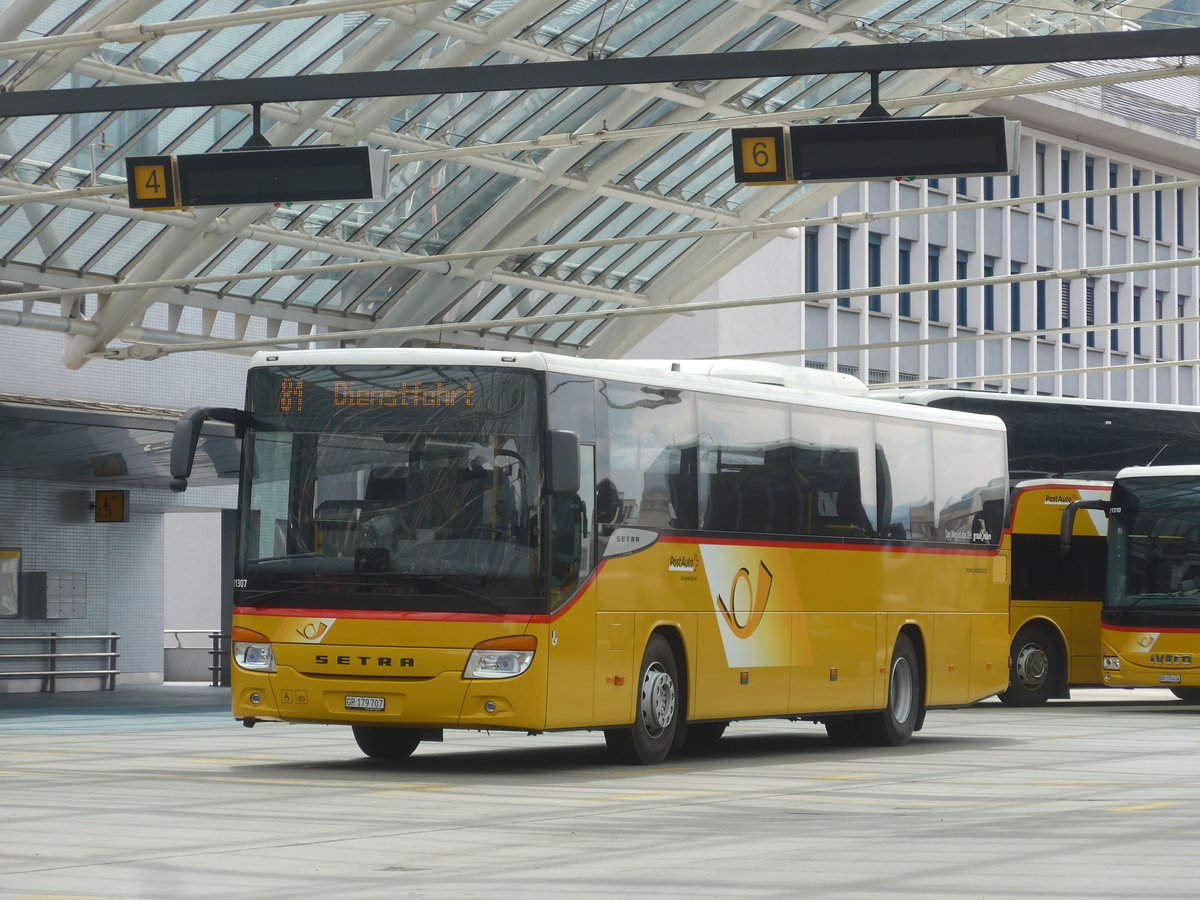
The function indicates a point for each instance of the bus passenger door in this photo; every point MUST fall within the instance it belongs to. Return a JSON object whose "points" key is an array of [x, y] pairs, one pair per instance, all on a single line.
{"points": [[571, 638]]}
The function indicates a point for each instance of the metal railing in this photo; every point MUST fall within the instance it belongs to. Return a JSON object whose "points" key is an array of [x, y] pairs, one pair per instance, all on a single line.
{"points": [[59, 648], [218, 654]]}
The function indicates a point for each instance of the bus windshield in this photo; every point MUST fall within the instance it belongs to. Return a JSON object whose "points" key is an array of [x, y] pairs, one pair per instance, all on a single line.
{"points": [[391, 488], [1154, 563]]}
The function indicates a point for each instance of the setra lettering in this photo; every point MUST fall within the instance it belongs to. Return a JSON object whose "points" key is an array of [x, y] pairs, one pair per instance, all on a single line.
{"points": [[382, 662]]}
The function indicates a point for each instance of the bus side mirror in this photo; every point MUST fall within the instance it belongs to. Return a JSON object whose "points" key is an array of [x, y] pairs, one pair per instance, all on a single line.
{"points": [[1067, 526], [187, 436], [562, 469]]}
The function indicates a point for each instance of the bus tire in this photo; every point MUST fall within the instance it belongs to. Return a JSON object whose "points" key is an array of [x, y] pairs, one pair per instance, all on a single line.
{"points": [[1187, 694], [1034, 667], [383, 742], [895, 724], [658, 711]]}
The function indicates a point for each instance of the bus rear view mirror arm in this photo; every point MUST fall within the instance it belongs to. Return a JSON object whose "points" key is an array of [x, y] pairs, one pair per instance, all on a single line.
{"points": [[187, 437], [1067, 527]]}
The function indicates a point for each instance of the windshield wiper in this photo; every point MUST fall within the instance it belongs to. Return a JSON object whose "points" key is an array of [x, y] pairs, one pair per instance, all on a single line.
{"points": [[490, 602], [1139, 599]]}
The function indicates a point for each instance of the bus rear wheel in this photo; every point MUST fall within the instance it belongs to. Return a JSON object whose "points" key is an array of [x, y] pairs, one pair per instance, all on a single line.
{"points": [[895, 725], [383, 742], [1034, 664], [658, 712]]}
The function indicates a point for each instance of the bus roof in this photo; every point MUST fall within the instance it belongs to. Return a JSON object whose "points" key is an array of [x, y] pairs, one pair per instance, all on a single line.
{"points": [[745, 378], [931, 396], [1159, 472]]}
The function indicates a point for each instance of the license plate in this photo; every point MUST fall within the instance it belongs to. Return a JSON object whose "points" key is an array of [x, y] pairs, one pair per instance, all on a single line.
{"points": [[1170, 679], [373, 703]]}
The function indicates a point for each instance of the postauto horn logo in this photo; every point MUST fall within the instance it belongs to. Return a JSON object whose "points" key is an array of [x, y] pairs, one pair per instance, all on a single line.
{"points": [[744, 609], [740, 582]]}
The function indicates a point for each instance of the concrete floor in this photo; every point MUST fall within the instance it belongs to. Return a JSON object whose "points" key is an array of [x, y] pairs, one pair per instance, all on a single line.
{"points": [[156, 793]]}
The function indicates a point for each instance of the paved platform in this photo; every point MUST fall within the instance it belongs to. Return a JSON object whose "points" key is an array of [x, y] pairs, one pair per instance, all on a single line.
{"points": [[157, 794], [174, 694]]}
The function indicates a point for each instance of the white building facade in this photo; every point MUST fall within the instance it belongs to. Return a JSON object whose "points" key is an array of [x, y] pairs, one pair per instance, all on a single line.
{"points": [[1035, 334]]}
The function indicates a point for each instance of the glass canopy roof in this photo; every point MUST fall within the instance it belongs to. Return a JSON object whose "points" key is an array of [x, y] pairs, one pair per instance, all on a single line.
{"points": [[523, 215]]}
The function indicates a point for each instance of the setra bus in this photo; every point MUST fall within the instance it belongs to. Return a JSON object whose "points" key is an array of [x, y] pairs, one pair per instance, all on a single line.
{"points": [[1062, 450], [435, 539], [1150, 620]]}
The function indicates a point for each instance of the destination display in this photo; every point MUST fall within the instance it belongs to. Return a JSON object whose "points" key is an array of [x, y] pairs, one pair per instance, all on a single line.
{"points": [[320, 398]]}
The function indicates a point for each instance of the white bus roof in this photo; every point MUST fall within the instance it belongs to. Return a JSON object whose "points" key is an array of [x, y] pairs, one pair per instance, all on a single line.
{"points": [[928, 395], [745, 378], [1159, 472]]}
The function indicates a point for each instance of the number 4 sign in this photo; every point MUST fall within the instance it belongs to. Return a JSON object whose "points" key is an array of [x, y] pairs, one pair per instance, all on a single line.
{"points": [[153, 182]]}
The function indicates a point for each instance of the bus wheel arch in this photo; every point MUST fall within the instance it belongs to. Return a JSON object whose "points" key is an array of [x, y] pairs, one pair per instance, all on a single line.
{"points": [[1037, 665], [660, 701]]}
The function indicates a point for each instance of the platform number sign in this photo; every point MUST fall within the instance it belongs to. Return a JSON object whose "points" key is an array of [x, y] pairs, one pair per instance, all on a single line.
{"points": [[153, 183], [760, 156]]}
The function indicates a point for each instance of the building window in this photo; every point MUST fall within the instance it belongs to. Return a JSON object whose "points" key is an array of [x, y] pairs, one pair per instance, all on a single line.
{"points": [[1064, 299], [989, 188], [963, 318], [843, 263], [1065, 183], [1089, 310], [1158, 210], [935, 274], [1089, 184], [1014, 301], [1040, 295], [989, 295], [904, 264], [1180, 335], [1137, 317], [1114, 316], [812, 258], [875, 270], [1159, 302], [1180, 237], [1039, 173], [1114, 208], [1137, 204]]}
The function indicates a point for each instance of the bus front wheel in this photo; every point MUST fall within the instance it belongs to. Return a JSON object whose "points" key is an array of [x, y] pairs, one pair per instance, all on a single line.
{"points": [[658, 712], [382, 742], [1034, 664]]}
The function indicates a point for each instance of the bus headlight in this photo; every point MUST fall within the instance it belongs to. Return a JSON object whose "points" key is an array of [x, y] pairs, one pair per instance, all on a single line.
{"points": [[1112, 663], [252, 650], [501, 657]]}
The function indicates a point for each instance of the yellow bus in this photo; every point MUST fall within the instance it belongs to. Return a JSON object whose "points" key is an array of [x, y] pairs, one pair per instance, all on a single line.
{"points": [[1056, 596], [1063, 450], [435, 539], [1150, 620]]}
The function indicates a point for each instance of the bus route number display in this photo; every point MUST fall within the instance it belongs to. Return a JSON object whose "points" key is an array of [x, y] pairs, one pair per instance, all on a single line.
{"points": [[345, 394]]}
